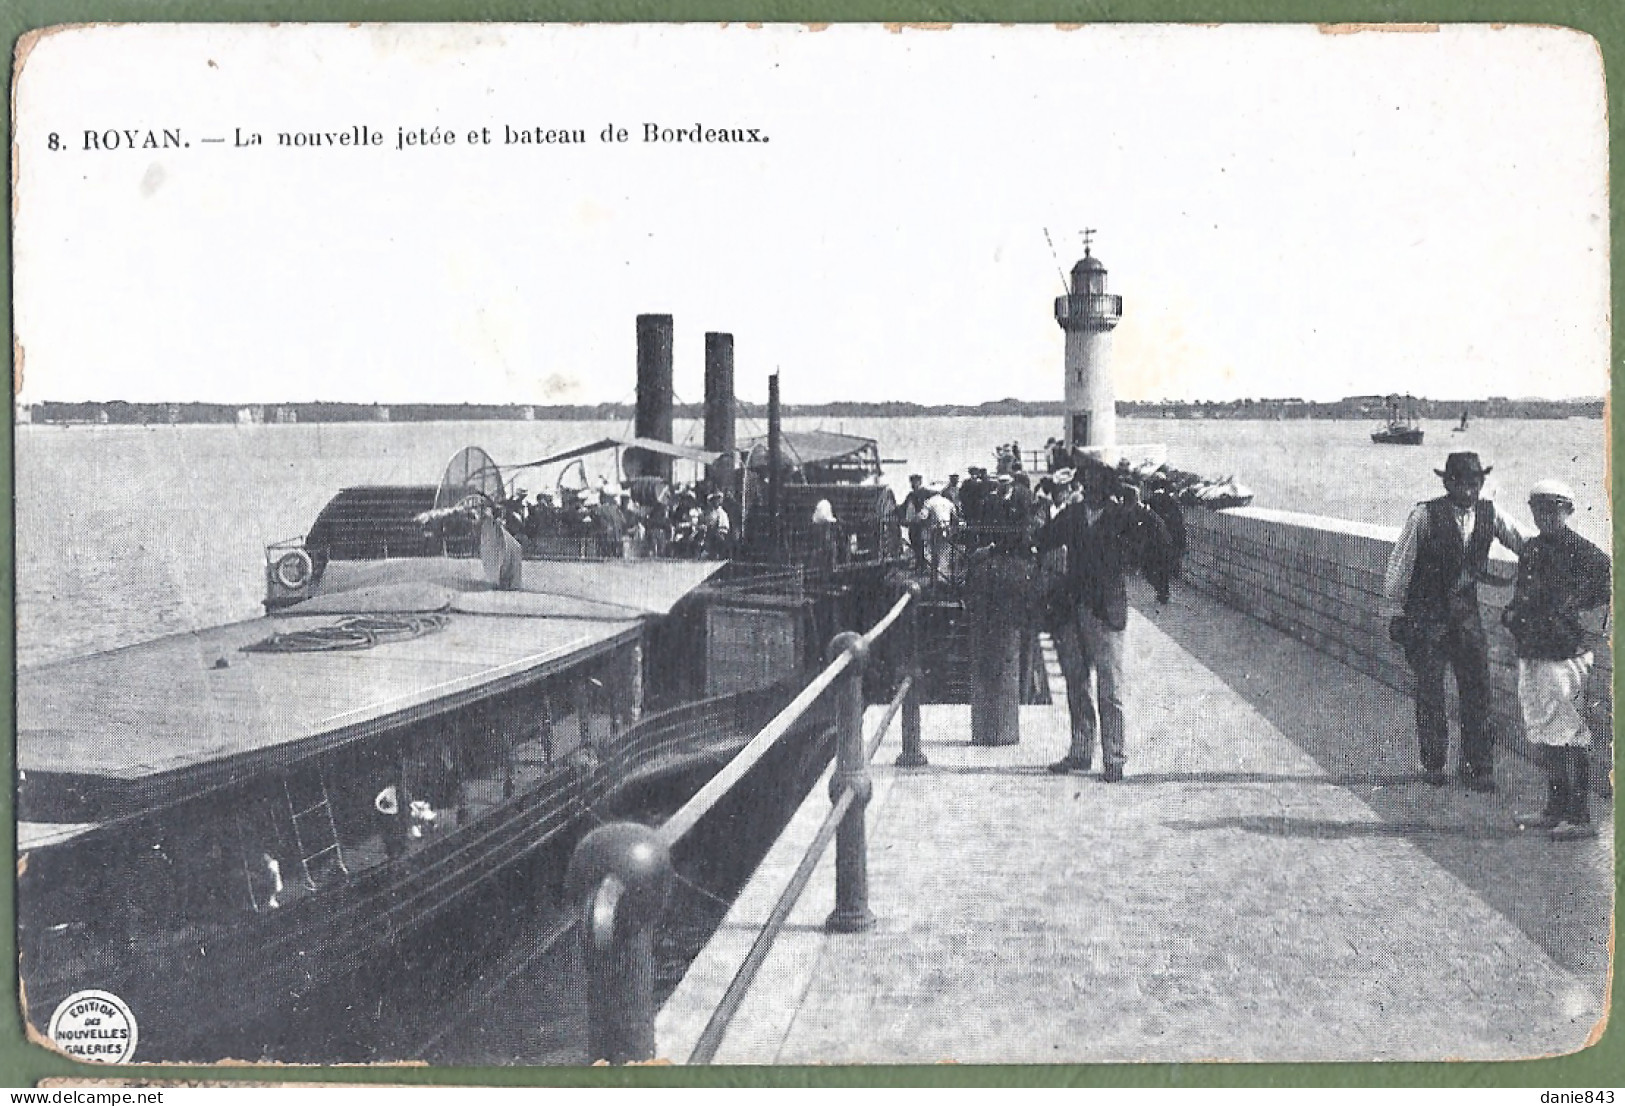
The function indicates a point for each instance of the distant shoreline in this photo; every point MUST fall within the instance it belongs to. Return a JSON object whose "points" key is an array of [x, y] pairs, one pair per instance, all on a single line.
{"points": [[1365, 408]]}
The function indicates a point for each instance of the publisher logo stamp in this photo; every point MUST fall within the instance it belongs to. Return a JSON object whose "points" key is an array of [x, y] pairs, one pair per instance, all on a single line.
{"points": [[94, 1026]]}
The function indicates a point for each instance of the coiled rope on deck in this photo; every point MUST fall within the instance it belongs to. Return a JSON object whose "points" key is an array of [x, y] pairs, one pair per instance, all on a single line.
{"points": [[357, 632]]}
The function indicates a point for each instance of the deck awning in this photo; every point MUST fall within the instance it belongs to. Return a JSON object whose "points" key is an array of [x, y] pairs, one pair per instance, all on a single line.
{"points": [[648, 445], [810, 447]]}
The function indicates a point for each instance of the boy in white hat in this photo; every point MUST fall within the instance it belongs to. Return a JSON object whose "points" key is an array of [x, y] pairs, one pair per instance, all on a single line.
{"points": [[1559, 575]]}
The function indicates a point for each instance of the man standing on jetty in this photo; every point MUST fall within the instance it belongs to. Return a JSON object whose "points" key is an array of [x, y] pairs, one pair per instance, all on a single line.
{"points": [[908, 512], [1430, 594], [1105, 539], [1560, 574]]}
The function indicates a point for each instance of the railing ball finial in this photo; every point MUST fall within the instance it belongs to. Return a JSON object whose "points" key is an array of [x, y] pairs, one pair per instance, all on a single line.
{"points": [[619, 876], [848, 642], [634, 854]]}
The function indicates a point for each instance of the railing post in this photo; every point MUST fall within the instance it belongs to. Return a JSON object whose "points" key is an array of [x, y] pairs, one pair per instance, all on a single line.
{"points": [[912, 756], [851, 914], [618, 878]]}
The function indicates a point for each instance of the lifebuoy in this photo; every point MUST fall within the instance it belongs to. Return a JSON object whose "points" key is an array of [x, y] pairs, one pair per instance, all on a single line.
{"points": [[294, 569]]}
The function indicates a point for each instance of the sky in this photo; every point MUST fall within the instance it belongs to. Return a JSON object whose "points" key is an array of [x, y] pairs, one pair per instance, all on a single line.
{"points": [[1286, 211]]}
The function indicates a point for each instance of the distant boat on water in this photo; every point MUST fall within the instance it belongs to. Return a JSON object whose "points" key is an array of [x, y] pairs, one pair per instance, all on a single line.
{"points": [[1401, 428], [1397, 434]]}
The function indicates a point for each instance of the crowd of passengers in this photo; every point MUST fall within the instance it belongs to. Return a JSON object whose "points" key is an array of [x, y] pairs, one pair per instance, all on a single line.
{"points": [[648, 518], [1007, 507]]}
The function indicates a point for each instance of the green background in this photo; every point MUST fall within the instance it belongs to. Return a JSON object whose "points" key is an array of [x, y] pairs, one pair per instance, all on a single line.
{"points": [[1600, 1066]]}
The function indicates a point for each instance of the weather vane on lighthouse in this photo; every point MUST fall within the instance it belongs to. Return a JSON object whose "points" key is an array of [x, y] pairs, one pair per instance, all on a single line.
{"points": [[1088, 235]]}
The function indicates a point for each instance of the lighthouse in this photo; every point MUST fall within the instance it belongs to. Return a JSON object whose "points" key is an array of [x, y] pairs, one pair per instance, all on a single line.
{"points": [[1088, 315]]}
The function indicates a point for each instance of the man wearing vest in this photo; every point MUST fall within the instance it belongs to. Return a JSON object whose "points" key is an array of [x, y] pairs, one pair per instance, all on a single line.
{"points": [[1430, 592]]}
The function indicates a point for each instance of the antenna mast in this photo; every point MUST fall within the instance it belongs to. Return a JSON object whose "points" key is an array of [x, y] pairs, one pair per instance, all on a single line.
{"points": [[1060, 272]]}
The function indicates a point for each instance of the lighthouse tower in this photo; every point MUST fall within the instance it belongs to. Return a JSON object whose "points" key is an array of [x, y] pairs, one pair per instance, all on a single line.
{"points": [[1088, 315]]}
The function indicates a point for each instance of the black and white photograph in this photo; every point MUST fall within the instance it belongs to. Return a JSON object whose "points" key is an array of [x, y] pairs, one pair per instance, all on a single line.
{"points": [[780, 544]]}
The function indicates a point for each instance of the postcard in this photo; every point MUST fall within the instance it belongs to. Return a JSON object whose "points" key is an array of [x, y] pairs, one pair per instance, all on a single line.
{"points": [[792, 544]]}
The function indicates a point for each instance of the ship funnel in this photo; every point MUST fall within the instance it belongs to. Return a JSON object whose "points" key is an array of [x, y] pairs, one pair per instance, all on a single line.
{"points": [[654, 395], [719, 404]]}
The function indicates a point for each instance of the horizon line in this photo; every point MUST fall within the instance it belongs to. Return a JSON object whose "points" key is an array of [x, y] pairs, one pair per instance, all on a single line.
{"points": [[699, 404]]}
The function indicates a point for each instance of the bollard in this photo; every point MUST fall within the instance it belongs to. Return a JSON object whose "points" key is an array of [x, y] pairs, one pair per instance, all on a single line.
{"points": [[619, 875], [851, 914], [997, 596], [912, 756], [996, 693]]}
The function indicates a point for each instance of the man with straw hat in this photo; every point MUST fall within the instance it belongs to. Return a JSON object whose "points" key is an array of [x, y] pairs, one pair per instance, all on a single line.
{"points": [[1560, 574], [1430, 593]]}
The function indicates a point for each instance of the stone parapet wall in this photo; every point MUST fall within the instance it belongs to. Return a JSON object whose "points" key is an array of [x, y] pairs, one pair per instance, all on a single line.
{"points": [[1320, 580]]}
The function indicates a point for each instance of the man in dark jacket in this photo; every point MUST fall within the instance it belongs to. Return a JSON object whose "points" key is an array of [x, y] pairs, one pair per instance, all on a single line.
{"points": [[1560, 574], [1006, 516], [1430, 592], [1105, 539], [973, 495], [1058, 456], [1161, 500]]}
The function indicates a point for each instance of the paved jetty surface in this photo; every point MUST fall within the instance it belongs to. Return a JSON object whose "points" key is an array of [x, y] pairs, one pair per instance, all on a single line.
{"points": [[1272, 881]]}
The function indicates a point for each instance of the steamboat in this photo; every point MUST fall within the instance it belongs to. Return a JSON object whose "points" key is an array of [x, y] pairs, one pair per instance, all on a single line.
{"points": [[215, 825], [1402, 428]]}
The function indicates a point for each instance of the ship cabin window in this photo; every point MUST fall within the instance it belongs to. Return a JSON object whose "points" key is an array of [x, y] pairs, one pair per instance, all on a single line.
{"points": [[529, 731], [564, 693], [482, 759], [596, 714], [262, 838], [295, 833], [605, 702], [364, 786]]}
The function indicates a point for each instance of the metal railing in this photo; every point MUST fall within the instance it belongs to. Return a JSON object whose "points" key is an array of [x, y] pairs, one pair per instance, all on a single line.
{"points": [[620, 873], [1089, 305]]}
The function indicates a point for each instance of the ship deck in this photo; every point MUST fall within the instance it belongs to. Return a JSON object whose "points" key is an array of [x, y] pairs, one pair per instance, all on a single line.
{"points": [[189, 707], [1271, 881]]}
